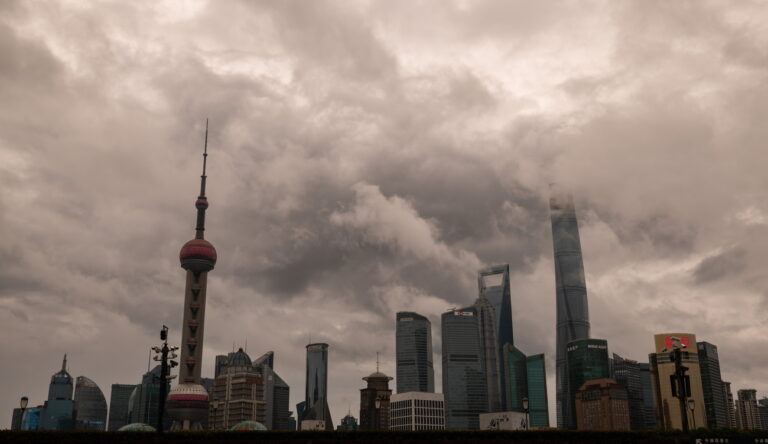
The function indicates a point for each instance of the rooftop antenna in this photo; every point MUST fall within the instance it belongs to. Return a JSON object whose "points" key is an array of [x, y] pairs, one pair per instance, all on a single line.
{"points": [[246, 344], [149, 359], [377, 362]]}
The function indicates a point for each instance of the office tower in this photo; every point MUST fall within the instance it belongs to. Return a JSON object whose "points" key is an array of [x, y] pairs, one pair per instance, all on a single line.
{"points": [[281, 416], [90, 405], [571, 298], [58, 411], [762, 413], [602, 404], [238, 394], [188, 401], [315, 406], [712, 384], [417, 411], [463, 373], [16, 418], [662, 366], [494, 313], [526, 378], [626, 372], [348, 423], [291, 421], [649, 410], [32, 418], [747, 417], [587, 360], [144, 400], [730, 408], [374, 402], [118, 405], [413, 351]]}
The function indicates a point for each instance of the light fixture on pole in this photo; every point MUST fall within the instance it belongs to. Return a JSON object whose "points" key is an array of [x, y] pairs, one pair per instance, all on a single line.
{"points": [[525, 409], [23, 404]]}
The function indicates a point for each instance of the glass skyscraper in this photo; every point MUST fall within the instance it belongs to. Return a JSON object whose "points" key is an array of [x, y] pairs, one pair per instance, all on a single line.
{"points": [[58, 411], [494, 312], [627, 373], [712, 383], [538, 402], [413, 351], [649, 410], [463, 370], [118, 405], [316, 391], [571, 298], [587, 360], [90, 405]]}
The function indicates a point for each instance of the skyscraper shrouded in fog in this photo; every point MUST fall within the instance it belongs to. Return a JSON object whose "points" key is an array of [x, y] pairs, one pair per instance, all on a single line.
{"points": [[571, 296], [413, 352], [90, 405], [316, 392], [712, 384], [118, 405], [464, 384], [188, 401]]}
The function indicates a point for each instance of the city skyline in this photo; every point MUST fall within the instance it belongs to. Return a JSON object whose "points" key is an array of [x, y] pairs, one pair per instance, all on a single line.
{"points": [[354, 181]]}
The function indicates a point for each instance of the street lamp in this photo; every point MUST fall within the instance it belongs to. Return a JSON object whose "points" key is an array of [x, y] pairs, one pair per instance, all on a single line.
{"points": [[377, 404], [525, 409], [692, 407], [165, 371]]}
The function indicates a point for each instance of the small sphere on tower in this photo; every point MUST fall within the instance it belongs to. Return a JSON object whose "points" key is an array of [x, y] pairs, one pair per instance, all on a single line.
{"points": [[201, 203], [197, 256]]}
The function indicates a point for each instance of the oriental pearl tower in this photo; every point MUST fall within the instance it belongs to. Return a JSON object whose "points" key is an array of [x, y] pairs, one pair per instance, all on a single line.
{"points": [[187, 403]]}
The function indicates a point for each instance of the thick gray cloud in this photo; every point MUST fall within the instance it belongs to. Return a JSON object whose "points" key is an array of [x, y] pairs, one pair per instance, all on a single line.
{"points": [[367, 159]]}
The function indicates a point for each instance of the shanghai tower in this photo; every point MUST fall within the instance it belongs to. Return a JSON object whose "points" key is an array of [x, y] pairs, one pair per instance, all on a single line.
{"points": [[571, 297], [188, 401]]}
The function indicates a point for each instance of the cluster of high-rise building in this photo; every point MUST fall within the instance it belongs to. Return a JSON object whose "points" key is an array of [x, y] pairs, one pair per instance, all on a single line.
{"points": [[488, 382]]}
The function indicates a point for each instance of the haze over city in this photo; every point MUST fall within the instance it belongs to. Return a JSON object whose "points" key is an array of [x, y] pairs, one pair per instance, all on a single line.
{"points": [[368, 158]]}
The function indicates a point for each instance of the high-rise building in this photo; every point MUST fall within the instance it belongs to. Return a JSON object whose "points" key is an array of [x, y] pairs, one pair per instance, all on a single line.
{"points": [[32, 418], [668, 409], [188, 401], [747, 416], [762, 413], [602, 404], [463, 370], [587, 360], [712, 384], [374, 402], [626, 372], [417, 411], [90, 405], [413, 350], [649, 409], [348, 422], [59, 410], [730, 407], [316, 392], [238, 394], [526, 378], [144, 400], [494, 313], [571, 298], [118, 405]]}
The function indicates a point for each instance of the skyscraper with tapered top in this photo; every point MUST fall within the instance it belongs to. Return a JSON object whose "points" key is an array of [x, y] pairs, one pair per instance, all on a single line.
{"points": [[571, 297], [188, 401]]}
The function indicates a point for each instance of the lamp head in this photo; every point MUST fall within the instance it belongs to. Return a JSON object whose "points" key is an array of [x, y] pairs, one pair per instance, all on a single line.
{"points": [[24, 402]]}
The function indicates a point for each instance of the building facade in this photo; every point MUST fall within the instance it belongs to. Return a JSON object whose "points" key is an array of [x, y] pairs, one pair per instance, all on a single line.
{"points": [[144, 400], [712, 384], [747, 416], [118, 405], [626, 372], [58, 412], [587, 360], [238, 394], [417, 411], [375, 402], [90, 405], [464, 384], [348, 422], [187, 403], [571, 298], [602, 404], [730, 406], [315, 406], [649, 408], [762, 413], [662, 366], [413, 352], [526, 379]]}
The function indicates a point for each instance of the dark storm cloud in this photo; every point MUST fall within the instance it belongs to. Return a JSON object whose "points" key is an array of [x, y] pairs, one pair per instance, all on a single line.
{"points": [[367, 159]]}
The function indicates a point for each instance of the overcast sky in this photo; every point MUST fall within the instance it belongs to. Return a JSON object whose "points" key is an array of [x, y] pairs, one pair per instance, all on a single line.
{"points": [[366, 158]]}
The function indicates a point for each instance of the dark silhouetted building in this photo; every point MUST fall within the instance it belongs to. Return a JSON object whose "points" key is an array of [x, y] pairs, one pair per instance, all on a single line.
{"points": [[315, 406], [747, 416], [526, 379], [413, 351], [58, 412], [602, 404], [649, 409], [712, 384], [374, 402], [587, 360], [626, 372], [730, 407], [762, 413], [144, 400], [464, 384], [90, 405], [118, 405], [571, 299], [348, 423]]}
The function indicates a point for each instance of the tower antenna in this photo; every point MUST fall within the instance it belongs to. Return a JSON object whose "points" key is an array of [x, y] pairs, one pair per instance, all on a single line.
{"points": [[377, 362]]}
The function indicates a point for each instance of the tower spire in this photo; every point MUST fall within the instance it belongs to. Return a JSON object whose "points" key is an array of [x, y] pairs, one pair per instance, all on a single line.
{"points": [[64, 363], [202, 201]]}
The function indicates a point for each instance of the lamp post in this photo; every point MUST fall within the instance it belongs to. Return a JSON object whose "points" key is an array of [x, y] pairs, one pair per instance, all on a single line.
{"points": [[377, 404], [692, 407], [680, 369], [165, 370], [527, 416], [23, 404]]}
